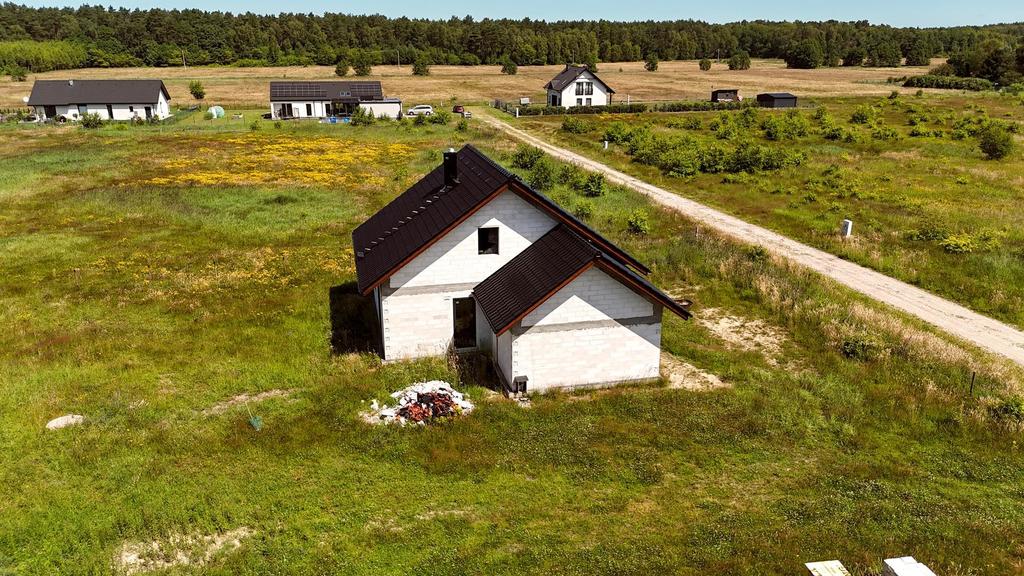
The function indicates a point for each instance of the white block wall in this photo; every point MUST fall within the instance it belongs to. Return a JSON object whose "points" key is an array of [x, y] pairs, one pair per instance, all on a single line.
{"points": [[417, 324], [454, 259], [594, 295], [590, 350], [389, 109]]}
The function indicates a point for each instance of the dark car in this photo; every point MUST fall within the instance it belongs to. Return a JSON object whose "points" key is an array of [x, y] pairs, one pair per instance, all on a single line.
{"points": [[458, 109]]}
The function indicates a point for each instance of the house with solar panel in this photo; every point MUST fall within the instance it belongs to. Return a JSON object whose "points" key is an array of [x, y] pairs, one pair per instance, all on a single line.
{"points": [[472, 259], [330, 99], [578, 86]]}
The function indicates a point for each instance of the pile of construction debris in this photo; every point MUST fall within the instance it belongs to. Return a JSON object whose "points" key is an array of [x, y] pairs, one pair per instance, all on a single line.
{"points": [[422, 403]]}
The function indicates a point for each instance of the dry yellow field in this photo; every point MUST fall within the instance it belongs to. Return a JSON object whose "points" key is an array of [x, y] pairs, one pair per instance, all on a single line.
{"points": [[673, 81]]}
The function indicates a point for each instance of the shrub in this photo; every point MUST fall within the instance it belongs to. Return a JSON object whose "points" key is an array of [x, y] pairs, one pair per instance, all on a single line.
{"points": [[255, 126], [638, 222], [995, 141], [617, 132], [542, 175], [574, 125], [894, 95], [651, 62], [789, 127], [278, 125], [862, 348], [583, 209], [208, 116], [341, 69], [594, 185], [440, 117], [864, 114], [525, 156], [361, 63], [944, 69], [196, 89], [419, 120], [739, 61], [462, 126], [687, 123], [91, 121], [705, 64], [1010, 410], [18, 73], [958, 244], [884, 133], [421, 66], [572, 176], [509, 67], [362, 117]]}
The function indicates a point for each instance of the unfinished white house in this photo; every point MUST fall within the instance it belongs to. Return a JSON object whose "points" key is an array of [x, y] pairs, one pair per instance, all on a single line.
{"points": [[577, 86], [64, 100], [471, 258], [329, 98]]}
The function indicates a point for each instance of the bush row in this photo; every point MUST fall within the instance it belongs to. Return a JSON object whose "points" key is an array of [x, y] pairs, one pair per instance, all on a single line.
{"points": [[688, 106], [949, 82]]}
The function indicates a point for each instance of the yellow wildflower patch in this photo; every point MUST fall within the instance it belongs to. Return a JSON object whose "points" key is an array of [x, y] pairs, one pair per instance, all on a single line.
{"points": [[281, 159]]}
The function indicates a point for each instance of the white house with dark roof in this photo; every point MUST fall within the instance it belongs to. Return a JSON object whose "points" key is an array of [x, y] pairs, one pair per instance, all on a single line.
{"points": [[471, 258], [330, 98], [578, 86], [110, 99]]}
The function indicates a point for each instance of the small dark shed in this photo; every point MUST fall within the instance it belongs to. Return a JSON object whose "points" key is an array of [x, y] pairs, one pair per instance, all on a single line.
{"points": [[776, 100], [725, 95]]}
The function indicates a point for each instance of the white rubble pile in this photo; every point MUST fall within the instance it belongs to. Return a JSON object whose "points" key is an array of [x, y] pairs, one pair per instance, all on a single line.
{"points": [[420, 403]]}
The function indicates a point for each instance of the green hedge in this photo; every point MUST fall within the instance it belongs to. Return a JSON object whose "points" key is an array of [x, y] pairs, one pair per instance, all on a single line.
{"points": [[949, 82], [689, 106]]}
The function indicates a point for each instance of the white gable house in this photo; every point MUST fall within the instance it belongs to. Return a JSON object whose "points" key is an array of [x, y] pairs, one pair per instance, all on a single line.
{"points": [[577, 86], [64, 100], [472, 259]]}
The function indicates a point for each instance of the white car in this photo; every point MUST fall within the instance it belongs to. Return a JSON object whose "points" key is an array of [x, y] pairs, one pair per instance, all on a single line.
{"points": [[421, 110]]}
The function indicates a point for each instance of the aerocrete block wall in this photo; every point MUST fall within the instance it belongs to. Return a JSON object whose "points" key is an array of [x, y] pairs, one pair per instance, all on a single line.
{"points": [[595, 331], [416, 303]]}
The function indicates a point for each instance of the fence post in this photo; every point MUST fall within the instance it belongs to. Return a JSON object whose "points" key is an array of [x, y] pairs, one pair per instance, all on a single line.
{"points": [[973, 376]]}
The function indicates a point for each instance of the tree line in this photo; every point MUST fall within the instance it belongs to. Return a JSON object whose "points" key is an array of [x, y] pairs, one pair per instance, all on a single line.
{"points": [[115, 37]]}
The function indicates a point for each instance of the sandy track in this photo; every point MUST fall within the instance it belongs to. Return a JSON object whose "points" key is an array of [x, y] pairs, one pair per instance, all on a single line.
{"points": [[955, 319]]}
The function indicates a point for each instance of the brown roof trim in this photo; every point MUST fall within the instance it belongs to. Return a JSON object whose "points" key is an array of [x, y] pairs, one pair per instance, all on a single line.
{"points": [[434, 240], [551, 293]]}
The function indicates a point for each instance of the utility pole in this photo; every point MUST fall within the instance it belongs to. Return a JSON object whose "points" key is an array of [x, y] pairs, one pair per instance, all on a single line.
{"points": [[183, 65]]}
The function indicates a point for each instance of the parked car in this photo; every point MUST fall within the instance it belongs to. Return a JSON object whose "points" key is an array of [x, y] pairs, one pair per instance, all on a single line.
{"points": [[458, 109], [421, 110]]}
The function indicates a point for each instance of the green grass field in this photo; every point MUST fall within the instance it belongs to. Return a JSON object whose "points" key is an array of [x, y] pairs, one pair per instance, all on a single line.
{"points": [[918, 201], [149, 274]]}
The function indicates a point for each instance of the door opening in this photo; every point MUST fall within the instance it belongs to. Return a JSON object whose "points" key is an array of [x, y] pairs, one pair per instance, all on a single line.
{"points": [[464, 323]]}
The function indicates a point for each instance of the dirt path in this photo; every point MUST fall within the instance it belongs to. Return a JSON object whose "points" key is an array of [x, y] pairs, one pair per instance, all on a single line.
{"points": [[981, 330]]}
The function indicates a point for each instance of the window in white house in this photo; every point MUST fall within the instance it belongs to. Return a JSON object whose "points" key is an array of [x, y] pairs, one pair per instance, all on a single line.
{"points": [[579, 88], [588, 88], [487, 240], [590, 101]]}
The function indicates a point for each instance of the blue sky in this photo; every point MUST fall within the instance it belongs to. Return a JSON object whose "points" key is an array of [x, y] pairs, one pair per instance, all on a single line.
{"points": [[894, 12]]}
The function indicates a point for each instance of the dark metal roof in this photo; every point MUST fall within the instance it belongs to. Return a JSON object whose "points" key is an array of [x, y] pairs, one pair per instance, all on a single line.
{"points": [[318, 90], [65, 92], [548, 265], [725, 91], [422, 214], [774, 95], [569, 75]]}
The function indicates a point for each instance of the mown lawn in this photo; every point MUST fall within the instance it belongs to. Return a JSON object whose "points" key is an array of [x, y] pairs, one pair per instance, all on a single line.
{"points": [[149, 274], [905, 195]]}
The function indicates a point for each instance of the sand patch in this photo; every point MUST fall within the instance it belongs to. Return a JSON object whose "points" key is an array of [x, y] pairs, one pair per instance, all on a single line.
{"points": [[222, 407], [744, 334], [177, 550], [681, 375]]}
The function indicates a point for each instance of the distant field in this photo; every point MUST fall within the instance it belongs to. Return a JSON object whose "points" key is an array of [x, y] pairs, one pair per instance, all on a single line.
{"points": [[915, 199], [151, 275], [672, 81]]}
